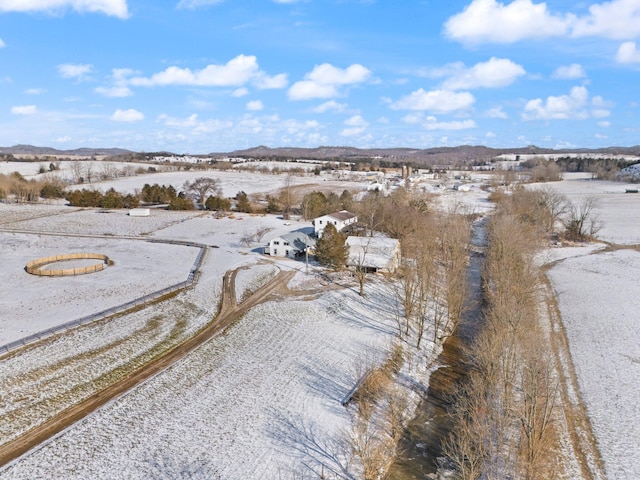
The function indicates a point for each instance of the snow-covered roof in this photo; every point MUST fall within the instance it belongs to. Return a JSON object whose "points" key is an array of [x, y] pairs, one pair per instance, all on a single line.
{"points": [[372, 252]]}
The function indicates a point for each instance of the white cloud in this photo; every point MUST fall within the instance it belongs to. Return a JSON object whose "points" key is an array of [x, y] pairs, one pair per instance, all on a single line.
{"points": [[604, 124], [616, 19], [24, 110], [114, 8], [323, 81], [356, 125], [494, 73], [490, 21], [490, 135], [240, 92], [601, 136], [78, 71], [576, 105], [114, 92], [236, 72], [119, 89], [190, 121], [265, 82], [433, 124], [130, 115], [191, 4], [569, 72], [255, 105], [2, 44], [34, 91], [330, 106], [437, 101], [496, 112], [628, 53]]}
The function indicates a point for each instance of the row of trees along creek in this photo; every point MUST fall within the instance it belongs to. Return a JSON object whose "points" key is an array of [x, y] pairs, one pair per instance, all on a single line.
{"points": [[429, 293], [504, 413]]}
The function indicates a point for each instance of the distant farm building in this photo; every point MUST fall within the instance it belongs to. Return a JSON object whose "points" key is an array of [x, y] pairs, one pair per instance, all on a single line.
{"points": [[339, 219], [139, 212], [290, 245]]}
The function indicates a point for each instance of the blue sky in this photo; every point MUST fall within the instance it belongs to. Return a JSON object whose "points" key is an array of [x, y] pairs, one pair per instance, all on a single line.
{"points": [[200, 76]]}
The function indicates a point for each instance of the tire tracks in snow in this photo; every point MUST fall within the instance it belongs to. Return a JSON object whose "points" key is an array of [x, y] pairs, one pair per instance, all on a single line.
{"points": [[230, 311]]}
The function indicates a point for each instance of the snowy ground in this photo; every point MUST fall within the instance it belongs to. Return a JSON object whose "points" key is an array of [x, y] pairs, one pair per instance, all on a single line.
{"points": [[263, 401], [598, 299], [597, 293], [618, 211]]}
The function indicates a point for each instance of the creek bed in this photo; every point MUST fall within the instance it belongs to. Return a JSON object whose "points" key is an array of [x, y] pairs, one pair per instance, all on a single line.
{"points": [[420, 446]]}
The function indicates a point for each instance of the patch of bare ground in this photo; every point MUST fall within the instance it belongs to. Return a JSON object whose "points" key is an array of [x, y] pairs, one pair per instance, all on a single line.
{"points": [[579, 452]]}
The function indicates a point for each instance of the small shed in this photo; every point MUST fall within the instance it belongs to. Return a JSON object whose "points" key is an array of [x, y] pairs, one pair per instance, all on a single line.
{"points": [[139, 212]]}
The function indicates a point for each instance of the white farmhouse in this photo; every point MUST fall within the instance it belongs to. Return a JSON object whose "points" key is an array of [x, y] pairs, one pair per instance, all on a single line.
{"points": [[339, 219], [374, 254], [290, 245]]}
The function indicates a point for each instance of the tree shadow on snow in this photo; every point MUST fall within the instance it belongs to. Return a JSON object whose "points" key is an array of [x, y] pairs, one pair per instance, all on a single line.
{"points": [[317, 454]]}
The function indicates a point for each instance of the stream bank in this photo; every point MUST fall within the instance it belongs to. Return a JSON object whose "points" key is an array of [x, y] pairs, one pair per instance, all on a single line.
{"points": [[420, 446]]}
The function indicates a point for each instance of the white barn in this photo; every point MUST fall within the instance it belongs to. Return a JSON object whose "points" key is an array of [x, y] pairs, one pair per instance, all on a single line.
{"points": [[290, 245], [339, 219], [374, 253]]}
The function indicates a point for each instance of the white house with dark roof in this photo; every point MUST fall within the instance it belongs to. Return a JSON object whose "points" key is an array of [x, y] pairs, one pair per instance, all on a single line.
{"points": [[339, 219], [290, 245]]}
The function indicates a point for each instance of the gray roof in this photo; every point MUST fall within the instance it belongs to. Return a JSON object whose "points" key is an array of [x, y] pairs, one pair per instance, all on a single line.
{"points": [[298, 240], [342, 215]]}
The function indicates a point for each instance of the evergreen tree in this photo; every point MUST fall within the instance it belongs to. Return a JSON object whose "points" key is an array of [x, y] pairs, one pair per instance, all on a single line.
{"points": [[331, 249]]}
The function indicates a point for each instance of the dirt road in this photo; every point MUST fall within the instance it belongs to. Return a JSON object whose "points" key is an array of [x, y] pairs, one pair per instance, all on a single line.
{"points": [[229, 312]]}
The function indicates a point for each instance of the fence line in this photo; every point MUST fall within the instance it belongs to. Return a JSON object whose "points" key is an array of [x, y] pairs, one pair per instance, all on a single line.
{"points": [[117, 309]]}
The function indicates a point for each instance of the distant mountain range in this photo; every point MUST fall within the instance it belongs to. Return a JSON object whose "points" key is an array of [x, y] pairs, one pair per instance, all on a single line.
{"points": [[31, 150], [430, 156]]}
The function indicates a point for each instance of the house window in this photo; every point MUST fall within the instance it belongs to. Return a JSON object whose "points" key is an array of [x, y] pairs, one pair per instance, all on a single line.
{"points": [[275, 251], [276, 242]]}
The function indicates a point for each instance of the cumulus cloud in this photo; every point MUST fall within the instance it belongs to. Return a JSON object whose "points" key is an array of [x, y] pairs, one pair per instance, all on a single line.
{"points": [[496, 112], [129, 115], [114, 8], [569, 72], [80, 72], [494, 22], [494, 73], [490, 21], [433, 124], [324, 81], [190, 121], [628, 53], [255, 105], [436, 101], [34, 91], [119, 89], [616, 19], [330, 106], [24, 110], [356, 125], [240, 92], [236, 72], [2, 44], [576, 105]]}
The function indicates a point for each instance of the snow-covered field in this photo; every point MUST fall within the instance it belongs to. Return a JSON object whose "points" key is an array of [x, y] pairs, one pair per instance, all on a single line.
{"points": [[262, 400], [598, 299], [597, 292]]}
